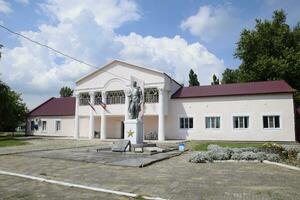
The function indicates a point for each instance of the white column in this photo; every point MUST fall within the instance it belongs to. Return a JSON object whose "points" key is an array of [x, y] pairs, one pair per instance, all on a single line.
{"points": [[126, 104], [161, 115], [91, 126], [76, 128], [103, 118]]}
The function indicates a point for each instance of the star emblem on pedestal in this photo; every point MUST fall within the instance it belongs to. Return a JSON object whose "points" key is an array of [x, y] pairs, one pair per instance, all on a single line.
{"points": [[130, 133]]}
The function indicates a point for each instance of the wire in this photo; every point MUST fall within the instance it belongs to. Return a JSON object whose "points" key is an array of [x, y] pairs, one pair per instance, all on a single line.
{"points": [[57, 51]]}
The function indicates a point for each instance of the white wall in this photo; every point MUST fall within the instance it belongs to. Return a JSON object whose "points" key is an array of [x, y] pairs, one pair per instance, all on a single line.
{"points": [[150, 124], [66, 124], [255, 106]]}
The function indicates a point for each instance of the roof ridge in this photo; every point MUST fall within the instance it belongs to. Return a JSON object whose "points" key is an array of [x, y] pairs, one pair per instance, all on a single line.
{"points": [[41, 105]]}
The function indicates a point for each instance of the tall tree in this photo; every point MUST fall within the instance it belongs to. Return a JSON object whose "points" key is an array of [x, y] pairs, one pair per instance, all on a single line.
{"points": [[230, 76], [215, 81], [193, 79], [13, 110], [271, 51], [66, 92]]}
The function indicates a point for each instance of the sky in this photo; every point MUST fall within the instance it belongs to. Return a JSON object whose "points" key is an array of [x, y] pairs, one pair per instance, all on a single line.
{"points": [[173, 36]]}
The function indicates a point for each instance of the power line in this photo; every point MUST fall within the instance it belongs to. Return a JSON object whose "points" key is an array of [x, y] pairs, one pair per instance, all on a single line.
{"points": [[56, 51], [46, 46]]}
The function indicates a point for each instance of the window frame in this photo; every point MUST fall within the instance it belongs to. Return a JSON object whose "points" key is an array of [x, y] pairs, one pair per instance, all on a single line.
{"points": [[84, 99], [56, 125], [213, 116], [117, 99], [188, 118], [240, 115], [268, 115], [44, 129]]}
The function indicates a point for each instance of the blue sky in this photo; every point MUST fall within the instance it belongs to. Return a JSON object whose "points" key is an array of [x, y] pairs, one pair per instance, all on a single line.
{"points": [[170, 35]]}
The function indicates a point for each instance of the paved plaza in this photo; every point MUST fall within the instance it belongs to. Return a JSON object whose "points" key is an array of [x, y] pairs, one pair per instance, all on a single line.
{"points": [[173, 178]]}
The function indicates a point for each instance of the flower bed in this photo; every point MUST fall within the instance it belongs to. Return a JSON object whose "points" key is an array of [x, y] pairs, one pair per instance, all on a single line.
{"points": [[269, 151]]}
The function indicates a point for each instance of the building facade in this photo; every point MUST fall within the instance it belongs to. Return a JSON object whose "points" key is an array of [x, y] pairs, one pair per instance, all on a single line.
{"points": [[257, 111]]}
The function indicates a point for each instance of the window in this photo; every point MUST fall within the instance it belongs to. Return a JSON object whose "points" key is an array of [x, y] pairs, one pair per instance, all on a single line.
{"points": [[98, 98], [44, 125], [151, 95], [57, 125], [212, 122], [272, 121], [186, 122], [32, 125], [241, 122], [84, 99], [115, 97]]}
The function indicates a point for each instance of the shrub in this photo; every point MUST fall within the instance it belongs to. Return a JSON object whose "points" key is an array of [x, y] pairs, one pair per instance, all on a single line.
{"points": [[219, 153], [298, 156], [261, 156], [272, 148], [273, 157], [295, 148], [201, 157], [248, 155]]}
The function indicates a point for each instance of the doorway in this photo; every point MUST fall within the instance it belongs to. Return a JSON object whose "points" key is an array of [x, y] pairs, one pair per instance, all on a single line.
{"points": [[122, 129]]}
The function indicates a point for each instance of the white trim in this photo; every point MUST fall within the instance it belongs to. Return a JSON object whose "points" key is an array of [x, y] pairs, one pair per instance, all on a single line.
{"points": [[185, 116], [271, 114], [42, 129], [55, 121], [119, 61], [99, 89], [213, 115], [241, 115]]}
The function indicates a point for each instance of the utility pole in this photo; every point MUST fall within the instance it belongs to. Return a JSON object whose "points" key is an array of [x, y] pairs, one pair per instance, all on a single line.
{"points": [[0, 50]]}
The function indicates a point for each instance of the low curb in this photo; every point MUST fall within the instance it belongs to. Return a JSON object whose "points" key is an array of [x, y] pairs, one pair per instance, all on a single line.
{"points": [[282, 165]]}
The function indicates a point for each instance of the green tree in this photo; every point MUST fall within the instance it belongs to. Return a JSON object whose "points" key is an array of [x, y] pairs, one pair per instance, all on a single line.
{"points": [[230, 76], [13, 111], [271, 51], [66, 92], [215, 81], [193, 79]]}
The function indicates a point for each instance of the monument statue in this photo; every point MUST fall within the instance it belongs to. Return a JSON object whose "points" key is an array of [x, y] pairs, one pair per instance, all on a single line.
{"points": [[135, 101]]}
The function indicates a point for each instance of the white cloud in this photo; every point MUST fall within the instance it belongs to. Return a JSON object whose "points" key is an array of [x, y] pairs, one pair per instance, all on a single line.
{"points": [[31, 69], [108, 13], [5, 7], [211, 22], [86, 31], [172, 55]]}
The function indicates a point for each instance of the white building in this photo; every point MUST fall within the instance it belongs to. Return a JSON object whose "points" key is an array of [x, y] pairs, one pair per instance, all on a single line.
{"points": [[257, 111]]}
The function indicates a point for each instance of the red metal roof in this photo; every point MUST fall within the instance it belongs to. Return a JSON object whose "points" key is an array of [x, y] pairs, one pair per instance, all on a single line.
{"points": [[64, 106], [250, 88]]}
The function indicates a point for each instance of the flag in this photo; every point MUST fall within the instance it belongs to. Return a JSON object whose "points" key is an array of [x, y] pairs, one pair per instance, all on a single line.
{"points": [[103, 105], [92, 106]]}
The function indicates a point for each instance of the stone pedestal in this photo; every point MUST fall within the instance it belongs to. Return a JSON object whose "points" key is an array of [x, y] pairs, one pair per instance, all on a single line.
{"points": [[134, 131]]}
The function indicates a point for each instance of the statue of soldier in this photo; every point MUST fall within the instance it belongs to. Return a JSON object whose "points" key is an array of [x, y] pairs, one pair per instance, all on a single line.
{"points": [[135, 101]]}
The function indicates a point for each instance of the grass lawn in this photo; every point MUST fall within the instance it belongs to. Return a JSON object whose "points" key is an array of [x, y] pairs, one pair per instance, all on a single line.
{"points": [[202, 146], [6, 139]]}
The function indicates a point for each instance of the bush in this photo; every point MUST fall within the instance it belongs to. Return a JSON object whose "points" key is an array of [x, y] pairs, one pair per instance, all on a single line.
{"points": [[272, 148], [298, 156], [201, 157], [216, 152], [219, 153], [273, 157], [295, 148], [247, 155]]}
